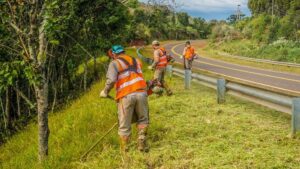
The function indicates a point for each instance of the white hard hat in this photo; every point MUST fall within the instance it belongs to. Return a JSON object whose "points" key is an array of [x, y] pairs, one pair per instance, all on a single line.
{"points": [[156, 42]]}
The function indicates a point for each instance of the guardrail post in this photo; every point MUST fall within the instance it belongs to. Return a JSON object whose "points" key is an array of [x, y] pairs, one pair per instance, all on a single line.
{"points": [[187, 78], [221, 89], [170, 70], [295, 115]]}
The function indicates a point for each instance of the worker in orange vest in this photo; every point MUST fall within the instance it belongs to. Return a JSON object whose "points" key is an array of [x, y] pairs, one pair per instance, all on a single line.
{"points": [[125, 73], [160, 62], [188, 56]]}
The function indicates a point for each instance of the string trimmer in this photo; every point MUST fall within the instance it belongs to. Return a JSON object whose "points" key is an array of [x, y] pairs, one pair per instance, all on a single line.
{"points": [[82, 158]]}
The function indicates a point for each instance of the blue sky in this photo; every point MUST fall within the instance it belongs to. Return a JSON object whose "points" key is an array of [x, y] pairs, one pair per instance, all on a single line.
{"points": [[212, 9]]}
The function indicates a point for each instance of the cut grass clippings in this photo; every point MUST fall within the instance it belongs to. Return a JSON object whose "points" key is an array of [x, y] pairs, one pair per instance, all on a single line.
{"points": [[187, 130]]}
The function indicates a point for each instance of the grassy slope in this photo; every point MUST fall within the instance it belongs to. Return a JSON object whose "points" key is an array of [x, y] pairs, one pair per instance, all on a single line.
{"points": [[287, 52], [188, 130], [211, 51]]}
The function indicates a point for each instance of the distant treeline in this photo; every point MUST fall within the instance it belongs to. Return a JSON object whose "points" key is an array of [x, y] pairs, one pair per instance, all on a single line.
{"points": [[270, 21], [160, 22]]}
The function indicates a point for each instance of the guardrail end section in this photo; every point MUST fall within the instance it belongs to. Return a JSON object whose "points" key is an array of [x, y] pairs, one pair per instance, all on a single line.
{"points": [[170, 70], [221, 90], [296, 115], [187, 78]]}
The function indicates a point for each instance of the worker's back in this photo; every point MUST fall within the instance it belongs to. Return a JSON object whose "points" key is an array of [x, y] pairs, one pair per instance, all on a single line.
{"points": [[130, 76]]}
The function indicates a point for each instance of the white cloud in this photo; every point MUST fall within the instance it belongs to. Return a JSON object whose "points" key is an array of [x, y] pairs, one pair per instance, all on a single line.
{"points": [[212, 9], [212, 5], [207, 6]]}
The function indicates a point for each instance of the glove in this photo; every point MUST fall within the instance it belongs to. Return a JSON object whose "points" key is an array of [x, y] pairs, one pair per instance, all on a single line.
{"points": [[172, 60], [181, 57], [150, 67], [103, 94]]}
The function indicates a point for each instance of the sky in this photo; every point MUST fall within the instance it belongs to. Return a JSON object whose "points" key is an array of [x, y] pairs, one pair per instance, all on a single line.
{"points": [[213, 9]]}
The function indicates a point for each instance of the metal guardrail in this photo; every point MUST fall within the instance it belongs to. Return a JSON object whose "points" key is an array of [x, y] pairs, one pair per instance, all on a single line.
{"points": [[267, 96], [273, 100], [260, 60]]}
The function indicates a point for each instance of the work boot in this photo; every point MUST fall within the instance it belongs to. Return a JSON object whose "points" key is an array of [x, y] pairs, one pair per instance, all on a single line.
{"points": [[124, 143], [142, 140], [169, 92]]}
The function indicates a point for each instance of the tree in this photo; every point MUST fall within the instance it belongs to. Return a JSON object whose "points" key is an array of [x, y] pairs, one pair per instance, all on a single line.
{"points": [[28, 21], [42, 37], [233, 18], [279, 7], [183, 18]]}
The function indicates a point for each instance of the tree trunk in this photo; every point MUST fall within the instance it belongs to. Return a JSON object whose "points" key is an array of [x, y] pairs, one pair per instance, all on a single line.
{"points": [[42, 87], [54, 98], [7, 109], [29, 96], [85, 76], [42, 107], [61, 81], [62, 73], [18, 100], [3, 111], [95, 67]]}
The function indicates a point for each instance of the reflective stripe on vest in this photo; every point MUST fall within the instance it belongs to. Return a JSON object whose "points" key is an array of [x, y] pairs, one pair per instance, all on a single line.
{"points": [[127, 73], [163, 60], [129, 81]]}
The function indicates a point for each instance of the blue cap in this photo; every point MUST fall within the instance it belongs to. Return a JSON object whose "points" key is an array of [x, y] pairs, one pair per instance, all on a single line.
{"points": [[117, 49]]}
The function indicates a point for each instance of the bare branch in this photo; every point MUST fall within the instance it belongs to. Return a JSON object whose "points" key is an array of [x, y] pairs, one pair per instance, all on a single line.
{"points": [[7, 47], [18, 30], [27, 100]]}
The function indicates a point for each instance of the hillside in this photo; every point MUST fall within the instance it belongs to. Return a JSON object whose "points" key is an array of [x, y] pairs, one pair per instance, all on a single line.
{"points": [[188, 130], [280, 50]]}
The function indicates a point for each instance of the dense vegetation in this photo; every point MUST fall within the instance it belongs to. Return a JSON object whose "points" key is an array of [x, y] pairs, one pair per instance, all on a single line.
{"points": [[263, 35], [52, 50], [161, 22]]}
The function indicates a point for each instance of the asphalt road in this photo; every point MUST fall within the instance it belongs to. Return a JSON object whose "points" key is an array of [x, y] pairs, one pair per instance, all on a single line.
{"points": [[281, 82]]}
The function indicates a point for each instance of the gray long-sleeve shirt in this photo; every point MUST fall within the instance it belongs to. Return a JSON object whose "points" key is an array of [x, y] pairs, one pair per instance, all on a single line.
{"points": [[111, 76], [156, 58]]}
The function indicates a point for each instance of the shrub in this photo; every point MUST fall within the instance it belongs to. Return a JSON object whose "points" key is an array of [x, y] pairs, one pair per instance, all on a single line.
{"points": [[225, 32]]}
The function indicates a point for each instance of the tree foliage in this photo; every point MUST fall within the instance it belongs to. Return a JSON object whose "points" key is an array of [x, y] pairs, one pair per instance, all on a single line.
{"points": [[286, 19], [265, 27], [42, 44], [162, 22], [49, 50]]}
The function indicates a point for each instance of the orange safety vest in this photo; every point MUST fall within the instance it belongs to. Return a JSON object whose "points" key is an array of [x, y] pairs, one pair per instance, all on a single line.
{"points": [[130, 77], [163, 59], [189, 53]]}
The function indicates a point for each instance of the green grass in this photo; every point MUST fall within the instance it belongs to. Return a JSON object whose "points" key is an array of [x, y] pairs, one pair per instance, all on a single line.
{"points": [[234, 47], [90, 65], [281, 51], [188, 130]]}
